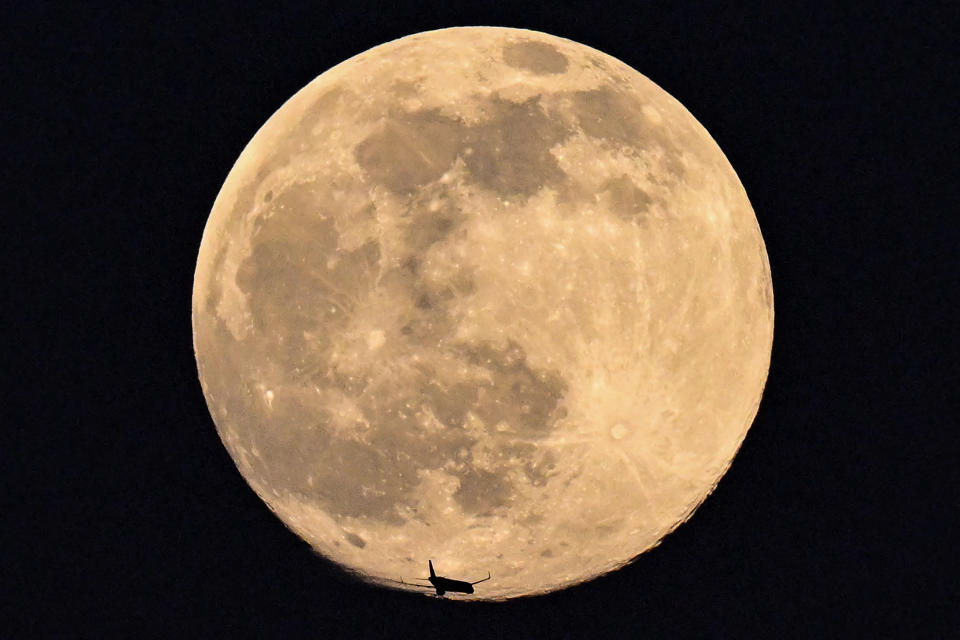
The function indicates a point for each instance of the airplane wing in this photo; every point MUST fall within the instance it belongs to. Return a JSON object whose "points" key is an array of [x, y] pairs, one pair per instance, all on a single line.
{"points": [[484, 580], [411, 584]]}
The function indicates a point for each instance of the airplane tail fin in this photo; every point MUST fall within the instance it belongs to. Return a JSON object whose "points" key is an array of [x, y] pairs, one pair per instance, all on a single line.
{"points": [[432, 574]]}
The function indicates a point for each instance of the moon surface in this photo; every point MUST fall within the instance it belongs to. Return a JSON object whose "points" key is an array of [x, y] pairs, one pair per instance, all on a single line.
{"points": [[486, 296]]}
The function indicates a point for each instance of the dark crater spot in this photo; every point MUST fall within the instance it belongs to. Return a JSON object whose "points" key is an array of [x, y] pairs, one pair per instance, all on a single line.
{"points": [[358, 479], [291, 284], [443, 225], [531, 519], [614, 116], [481, 490], [429, 316], [322, 107], [597, 63], [404, 89], [351, 385], [426, 323], [629, 201], [410, 150], [540, 467], [423, 302], [673, 164], [463, 282], [537, 57], [608, 114], [411, 264], [449, 403], [355, 540], [524, 398], [430, 227], [546, 553], [425, 314], [510, 153]]}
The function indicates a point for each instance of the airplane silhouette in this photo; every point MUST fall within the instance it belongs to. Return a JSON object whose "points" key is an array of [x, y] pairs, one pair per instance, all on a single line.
{"points": [[443, 585]]}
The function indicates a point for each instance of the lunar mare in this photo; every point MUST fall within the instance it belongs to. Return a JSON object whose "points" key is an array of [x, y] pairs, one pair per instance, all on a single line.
{"points": [[486, 296]]}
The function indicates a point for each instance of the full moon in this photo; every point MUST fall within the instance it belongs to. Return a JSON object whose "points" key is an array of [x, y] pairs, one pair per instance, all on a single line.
{"points": [[484, 296]]}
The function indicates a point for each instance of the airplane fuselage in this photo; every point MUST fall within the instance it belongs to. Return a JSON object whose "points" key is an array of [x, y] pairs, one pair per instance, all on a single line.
{"points": [[442, 585]]}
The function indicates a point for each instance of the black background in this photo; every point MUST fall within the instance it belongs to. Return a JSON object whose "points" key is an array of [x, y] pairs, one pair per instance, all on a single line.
{"points": [[126, 517]]}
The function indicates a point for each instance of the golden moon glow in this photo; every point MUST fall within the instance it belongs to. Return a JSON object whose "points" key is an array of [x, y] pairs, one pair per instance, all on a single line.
{"points": [[485, 296]]}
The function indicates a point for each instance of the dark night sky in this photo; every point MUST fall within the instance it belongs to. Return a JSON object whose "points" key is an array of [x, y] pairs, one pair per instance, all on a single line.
{"points": [[125, 514]]}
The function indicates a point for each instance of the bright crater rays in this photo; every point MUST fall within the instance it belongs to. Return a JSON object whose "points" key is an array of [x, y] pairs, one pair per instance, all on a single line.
{"points": [[485, 296]]}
